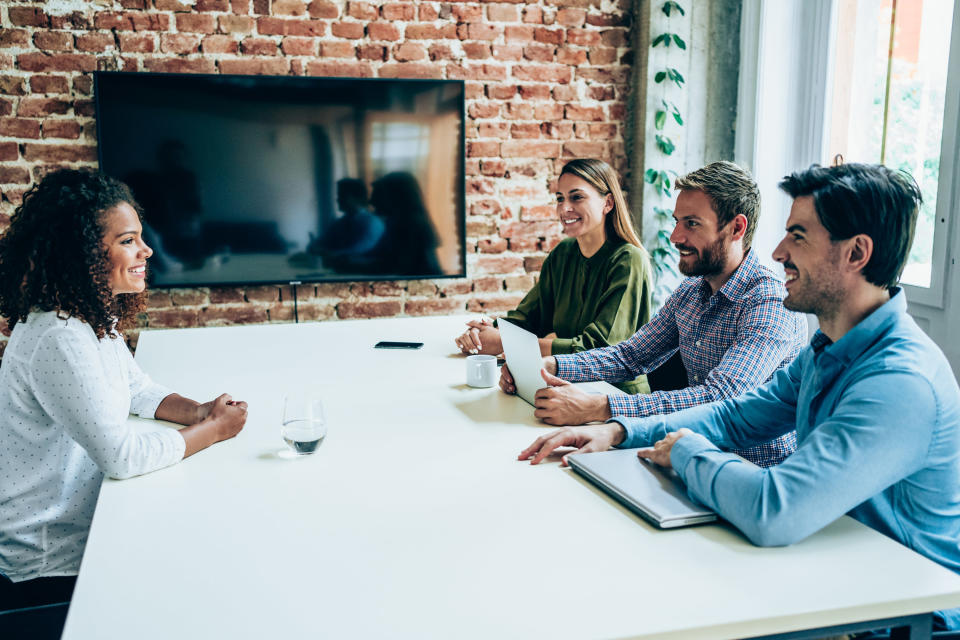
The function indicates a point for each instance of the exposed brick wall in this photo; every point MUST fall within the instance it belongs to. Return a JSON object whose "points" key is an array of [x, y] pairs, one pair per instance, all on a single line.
{"points": [[545, 81]]}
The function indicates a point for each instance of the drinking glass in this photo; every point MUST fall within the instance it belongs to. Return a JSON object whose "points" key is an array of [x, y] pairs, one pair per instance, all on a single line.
{"points": [[304, 423]]}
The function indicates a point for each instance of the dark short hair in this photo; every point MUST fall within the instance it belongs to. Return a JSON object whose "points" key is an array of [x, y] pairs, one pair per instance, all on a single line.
{"points": [[352, 188], [52, 257], [732, 191], [871, 199]]}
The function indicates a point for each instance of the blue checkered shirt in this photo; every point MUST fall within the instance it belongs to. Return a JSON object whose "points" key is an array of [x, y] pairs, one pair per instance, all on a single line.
{"points": [[731, 342]]}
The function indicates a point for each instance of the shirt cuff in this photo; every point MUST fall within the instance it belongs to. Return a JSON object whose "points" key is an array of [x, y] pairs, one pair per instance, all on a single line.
{"points": [[145, 403], [686, 448], [565, 365], [561, 345], [636, 433]]}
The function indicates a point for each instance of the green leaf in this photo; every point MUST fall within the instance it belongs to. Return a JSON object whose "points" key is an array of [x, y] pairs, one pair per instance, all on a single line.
{"points": [[664, 235], [660, 76], [650, 175], [659, 119], [663, 38], [676, 115], [665, 144], [671, 5], [679, 41], [675, 76]]}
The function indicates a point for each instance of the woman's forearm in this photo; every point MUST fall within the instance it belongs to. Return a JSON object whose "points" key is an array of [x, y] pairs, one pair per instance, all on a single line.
{"points": [[176, 408]]}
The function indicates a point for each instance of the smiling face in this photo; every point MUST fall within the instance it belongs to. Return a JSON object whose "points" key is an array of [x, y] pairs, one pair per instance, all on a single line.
{"points": [[703, 247], [811, 261], [127, 253], [582, 210]]}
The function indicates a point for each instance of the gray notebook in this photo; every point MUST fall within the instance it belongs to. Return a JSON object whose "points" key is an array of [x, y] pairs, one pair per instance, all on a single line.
{"points": [[654, 493]]}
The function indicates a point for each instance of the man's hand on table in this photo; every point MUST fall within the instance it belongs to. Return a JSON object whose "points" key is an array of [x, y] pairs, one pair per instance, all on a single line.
{"points": [[598, 437], [563, 403], [660, 453], [507, 385]]}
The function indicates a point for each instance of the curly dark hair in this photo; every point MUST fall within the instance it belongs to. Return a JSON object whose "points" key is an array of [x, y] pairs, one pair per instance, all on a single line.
{"points": [[52, 257]]}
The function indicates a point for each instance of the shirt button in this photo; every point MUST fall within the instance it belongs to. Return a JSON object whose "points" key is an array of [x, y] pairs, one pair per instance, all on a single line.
{"points": [[696, 379], [698, 343]]}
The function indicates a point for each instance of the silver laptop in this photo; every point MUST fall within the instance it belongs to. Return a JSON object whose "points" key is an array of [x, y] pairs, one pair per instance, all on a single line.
{"points": [[654, 493], [522, 351]]}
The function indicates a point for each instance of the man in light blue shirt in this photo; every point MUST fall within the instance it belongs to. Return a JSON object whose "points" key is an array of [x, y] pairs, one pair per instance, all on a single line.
{"points": [[873, 400]]}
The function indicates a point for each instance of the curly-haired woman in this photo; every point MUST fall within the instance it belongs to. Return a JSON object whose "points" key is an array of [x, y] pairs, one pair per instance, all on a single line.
{"points": [[594, 287], [72, 276]]}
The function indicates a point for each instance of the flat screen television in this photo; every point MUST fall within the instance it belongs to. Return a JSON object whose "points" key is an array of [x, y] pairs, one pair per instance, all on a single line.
{"points": [[279, 179]]}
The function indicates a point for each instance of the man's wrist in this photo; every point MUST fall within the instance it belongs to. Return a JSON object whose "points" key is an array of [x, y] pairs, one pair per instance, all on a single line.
{"points": [[619, 434], [603, 412], [550, 364]]}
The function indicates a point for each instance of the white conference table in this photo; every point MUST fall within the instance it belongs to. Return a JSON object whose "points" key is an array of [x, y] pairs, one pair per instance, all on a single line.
{"points": [[414, 519]]}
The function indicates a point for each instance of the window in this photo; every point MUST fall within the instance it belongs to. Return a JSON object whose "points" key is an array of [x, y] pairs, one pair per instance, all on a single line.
{"points": [[890, 78]]}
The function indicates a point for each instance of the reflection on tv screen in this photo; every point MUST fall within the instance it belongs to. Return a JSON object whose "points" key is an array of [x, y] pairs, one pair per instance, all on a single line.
{"points": [[259, 179]]}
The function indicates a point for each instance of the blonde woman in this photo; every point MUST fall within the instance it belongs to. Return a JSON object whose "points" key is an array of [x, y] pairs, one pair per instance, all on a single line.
{"points": [[594, 287]]}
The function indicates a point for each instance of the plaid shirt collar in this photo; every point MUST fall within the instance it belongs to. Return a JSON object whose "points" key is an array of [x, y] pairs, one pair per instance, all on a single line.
{"points": [[736, 287]]}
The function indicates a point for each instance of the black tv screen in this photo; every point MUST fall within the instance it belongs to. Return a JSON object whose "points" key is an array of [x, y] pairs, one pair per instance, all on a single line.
{"points": [[263, 179]]}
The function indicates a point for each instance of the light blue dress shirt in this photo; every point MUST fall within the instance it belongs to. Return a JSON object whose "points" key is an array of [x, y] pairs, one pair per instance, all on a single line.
{"points": [[877, 416]]}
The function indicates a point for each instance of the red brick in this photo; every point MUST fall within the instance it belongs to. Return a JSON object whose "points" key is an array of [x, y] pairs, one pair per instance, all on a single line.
{"points": [[262, 294], [179, 65], [549, 36], [525, 130], [13, 85], [189, 297], [236, 24], [571, 57], [498, 264], [435, 306], [466, 13], [179, 43], [136, 42], [196, 23], [338, 49], [14, 197], [247, 314], [59, 153], [430, 32], [223, 295], [602, 55], [497, 168], [313, 311], [473, 90], [75, 20], [372, 52], [477, 72], [405, 11], [261, 7], [368, 309], [83, 85], [502, 13], [97, 42], [583, 37], [288, 8], [383, 31], [294, 46], [268, 67], [487, 285], [518, 283], [214, 5], [614, 37], [486, 207], [323, 9], [84, 108], [28, 17], [543, 73], [477, 186], [539, 52], [68, 129], [483, 31], [533, 15], [456, 288], [501, 91], [258, 47], [14, 38], [409, 51], [340, 69], [518, 111], [428, 13], [547, 244], [565, 94], [173, 318], [529, 228], [19, 127], [605, 20], [492, 245], [484, 110], [524, 244], [14, 175], [507, 52], [49, 84], [53, 40], [585, 149], [602, 131], [534, 91], [576, 112], [492, 305], [362, 10], [219, 44], [133, 21], [58, 62], [9, 151], [571, 17], [485, 149], [350, 30], [172, 5], [555, 130], [6, 107], [410, 70], [476, 50]]}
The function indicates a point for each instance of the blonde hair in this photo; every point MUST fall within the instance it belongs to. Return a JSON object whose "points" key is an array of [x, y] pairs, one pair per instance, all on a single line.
{"points": [[601, 176]]}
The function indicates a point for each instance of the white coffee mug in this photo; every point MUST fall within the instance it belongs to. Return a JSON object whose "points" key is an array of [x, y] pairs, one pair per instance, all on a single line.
{"points": [[481, 371]]}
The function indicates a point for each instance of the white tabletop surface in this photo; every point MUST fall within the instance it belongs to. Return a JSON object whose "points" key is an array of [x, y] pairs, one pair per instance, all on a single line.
{"points": [[414, 519]]}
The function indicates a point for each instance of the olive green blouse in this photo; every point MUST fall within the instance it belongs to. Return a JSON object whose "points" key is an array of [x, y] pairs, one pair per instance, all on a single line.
{"points": [[589, 302]]}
